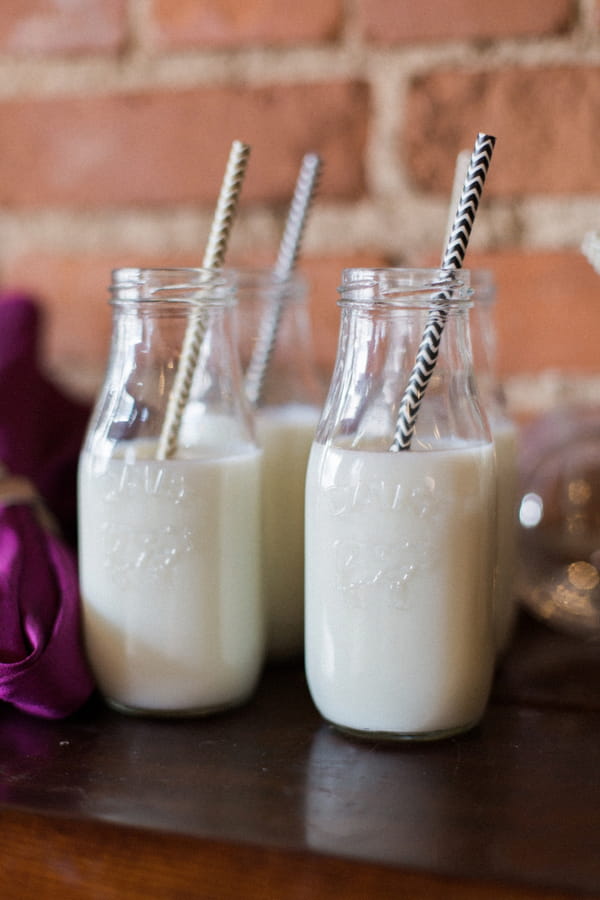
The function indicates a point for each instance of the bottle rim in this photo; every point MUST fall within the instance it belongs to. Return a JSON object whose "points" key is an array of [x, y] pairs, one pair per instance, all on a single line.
{"points": [[171, 285], [406, 287]]}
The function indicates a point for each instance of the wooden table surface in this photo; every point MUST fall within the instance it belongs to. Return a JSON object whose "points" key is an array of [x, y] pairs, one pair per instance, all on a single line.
{"points": [[267, 801]]}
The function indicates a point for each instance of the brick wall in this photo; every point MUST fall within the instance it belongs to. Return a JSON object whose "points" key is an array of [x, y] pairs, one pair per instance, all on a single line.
{"points": [[116, 117]]}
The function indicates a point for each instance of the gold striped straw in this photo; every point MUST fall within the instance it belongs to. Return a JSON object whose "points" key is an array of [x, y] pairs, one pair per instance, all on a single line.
{"points": [[213, 259]]}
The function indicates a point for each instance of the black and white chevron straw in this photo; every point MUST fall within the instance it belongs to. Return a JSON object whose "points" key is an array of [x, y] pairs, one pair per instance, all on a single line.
{"points": [[453, 257], [289, 248]]}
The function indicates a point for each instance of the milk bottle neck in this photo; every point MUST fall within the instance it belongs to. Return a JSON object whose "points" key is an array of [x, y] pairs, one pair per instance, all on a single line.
{"points": [[156, 314], [385, 313], [290, 375]]}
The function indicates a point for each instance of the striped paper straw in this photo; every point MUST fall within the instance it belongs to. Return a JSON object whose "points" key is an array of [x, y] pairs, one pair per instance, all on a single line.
{"points": [[285, 264], [452, 259], [213, 259]]}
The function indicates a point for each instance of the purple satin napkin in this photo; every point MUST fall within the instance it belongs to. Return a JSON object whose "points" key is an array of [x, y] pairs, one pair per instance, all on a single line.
{"points": [[41, 429], [42, 663], [43, 670]]}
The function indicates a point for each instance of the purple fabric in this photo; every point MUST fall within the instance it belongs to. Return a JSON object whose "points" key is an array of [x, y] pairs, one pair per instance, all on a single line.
{"points": [[41, 429], [43, 670]]}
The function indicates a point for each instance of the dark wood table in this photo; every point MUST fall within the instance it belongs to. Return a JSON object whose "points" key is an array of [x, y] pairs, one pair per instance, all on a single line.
{"points": [[267, 801]]}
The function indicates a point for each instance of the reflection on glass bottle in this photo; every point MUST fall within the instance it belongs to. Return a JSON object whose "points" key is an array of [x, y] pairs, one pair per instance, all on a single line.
{"points": [[559, 517]]}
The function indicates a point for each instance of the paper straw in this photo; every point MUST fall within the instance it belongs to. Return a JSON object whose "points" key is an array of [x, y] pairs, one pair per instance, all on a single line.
{"points": [[213, 259], [453, 257], [285, 264], [460, 173]]}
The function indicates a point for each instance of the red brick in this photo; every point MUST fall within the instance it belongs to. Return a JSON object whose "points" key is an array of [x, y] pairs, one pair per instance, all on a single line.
{"points": [[545, 120], [52, 26], [546, 311], [156, 148], [231, 23], [388, 22]]}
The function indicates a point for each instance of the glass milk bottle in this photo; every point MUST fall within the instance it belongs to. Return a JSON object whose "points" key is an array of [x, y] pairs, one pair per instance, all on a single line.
{"points": [[170, 547], [287, 395], [504, 434], [400, 545]]}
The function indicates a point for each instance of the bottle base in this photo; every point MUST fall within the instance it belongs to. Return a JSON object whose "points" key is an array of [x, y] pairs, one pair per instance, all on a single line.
{"points": [[403, 737], [192, 712]]}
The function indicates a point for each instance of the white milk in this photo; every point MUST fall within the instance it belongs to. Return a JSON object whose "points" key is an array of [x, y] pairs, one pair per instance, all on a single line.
{"points": [[285, 434], [505, 605], [399, 559], [170, 579]]}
